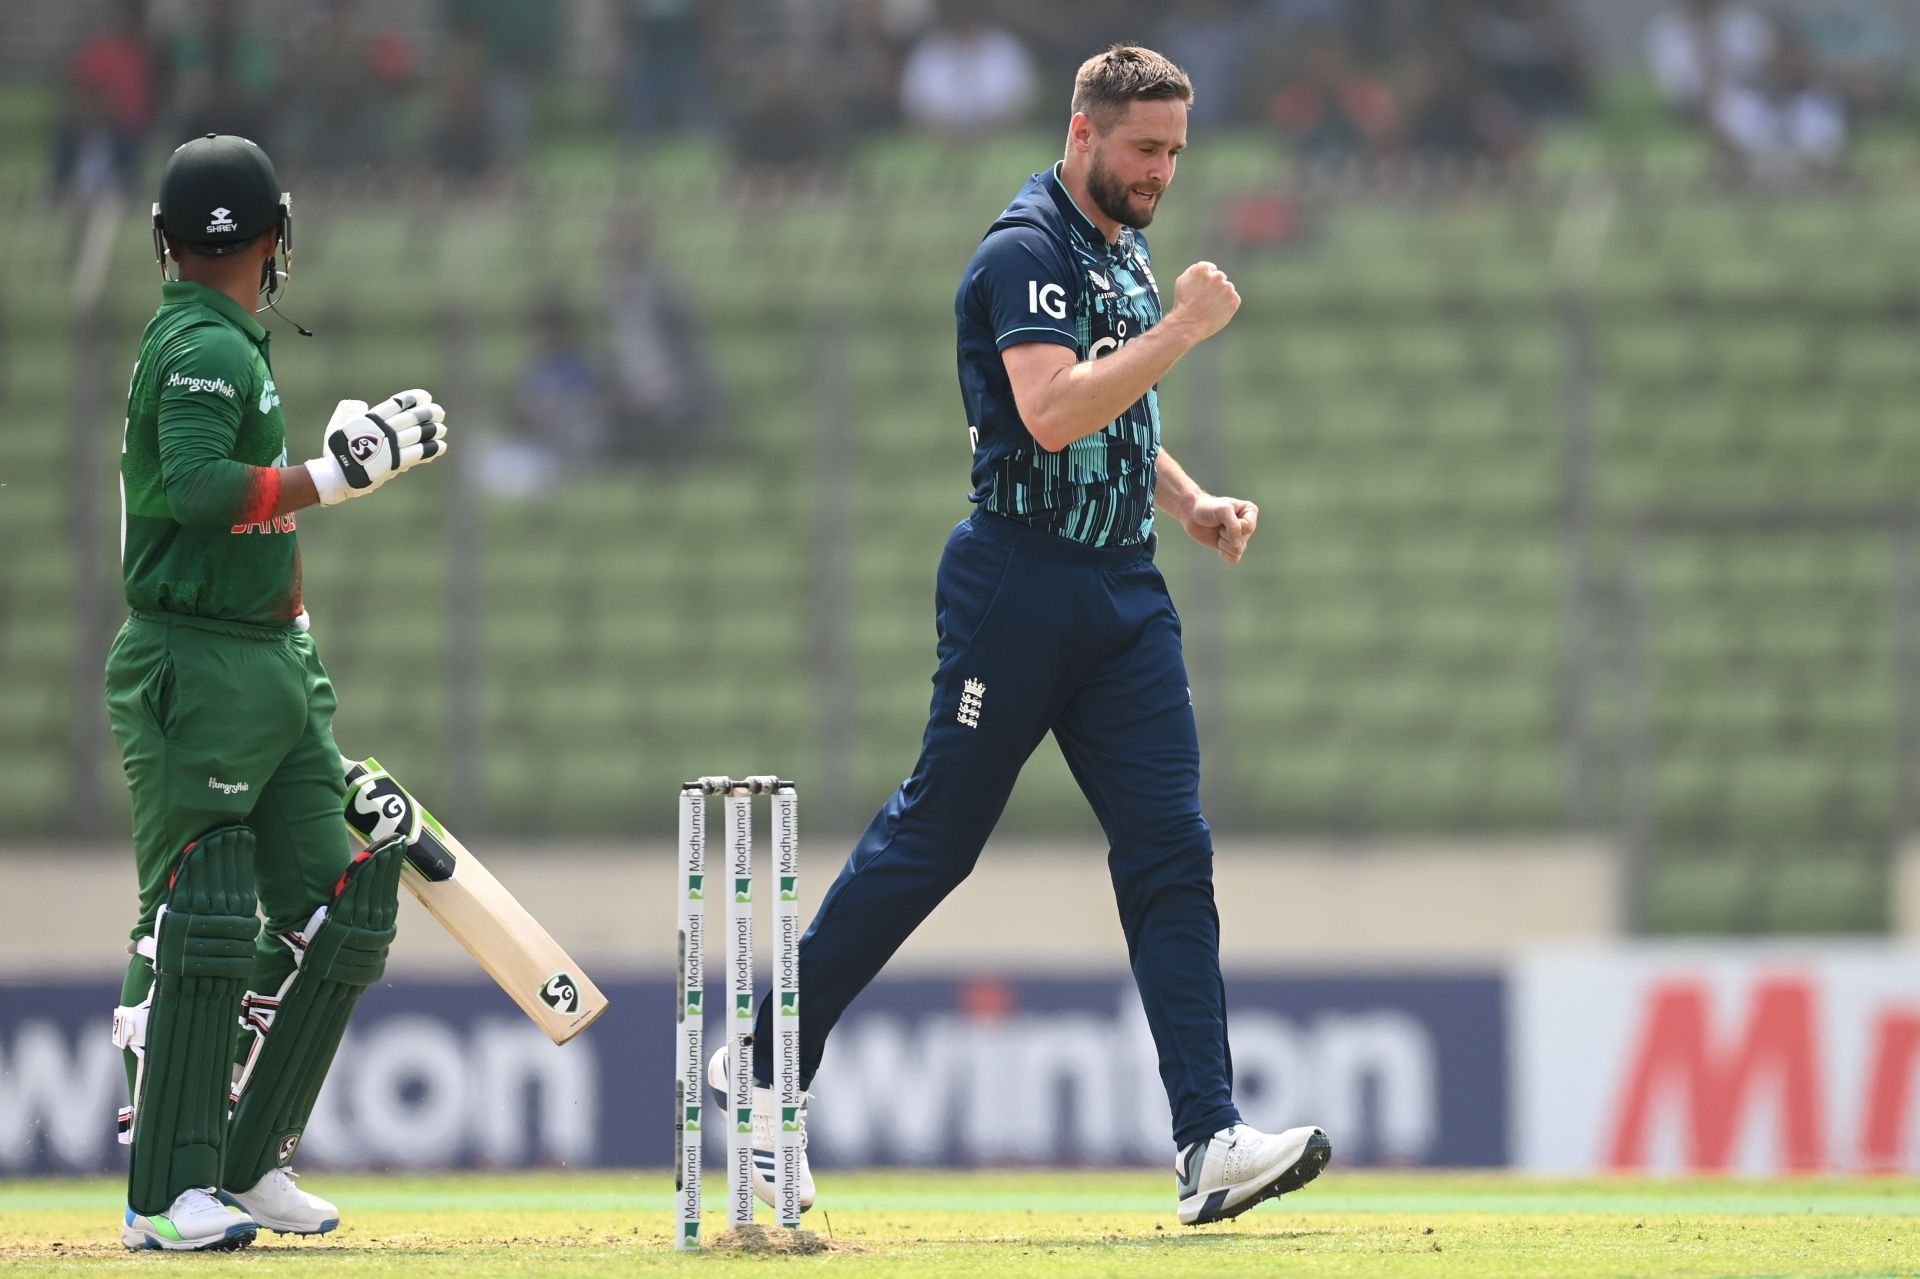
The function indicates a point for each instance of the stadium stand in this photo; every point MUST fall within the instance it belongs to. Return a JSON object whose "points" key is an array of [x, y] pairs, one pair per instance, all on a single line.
{"points": [[1407, 650]]}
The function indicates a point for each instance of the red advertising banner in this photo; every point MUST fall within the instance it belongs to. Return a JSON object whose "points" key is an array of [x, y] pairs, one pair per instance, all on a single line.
{"points": [[1747, 1059]]}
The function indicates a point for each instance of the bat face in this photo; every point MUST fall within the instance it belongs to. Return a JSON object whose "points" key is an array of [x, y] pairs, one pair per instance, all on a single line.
{"points": [[474, 906]]}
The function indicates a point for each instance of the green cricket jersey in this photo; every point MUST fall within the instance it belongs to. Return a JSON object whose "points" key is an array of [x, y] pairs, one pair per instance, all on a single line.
{"points": [[198, 486]]}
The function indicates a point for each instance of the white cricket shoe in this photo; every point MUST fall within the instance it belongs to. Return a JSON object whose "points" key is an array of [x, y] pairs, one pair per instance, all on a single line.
{"points": [[1241, 1166], [277, 1203], [766, 1122], [196, 1222]]}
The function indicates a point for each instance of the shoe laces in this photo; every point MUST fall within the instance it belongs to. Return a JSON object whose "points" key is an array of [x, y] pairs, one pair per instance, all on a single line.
{"points": [[198, 1199], [280, 1180]]}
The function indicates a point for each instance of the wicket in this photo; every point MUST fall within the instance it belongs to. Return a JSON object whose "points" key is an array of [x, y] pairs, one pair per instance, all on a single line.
{"points": [[737, 794]]}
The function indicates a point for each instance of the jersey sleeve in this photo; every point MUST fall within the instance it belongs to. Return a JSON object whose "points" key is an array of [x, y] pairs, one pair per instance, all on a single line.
{"points": [[1023, 285], [203, 375]]}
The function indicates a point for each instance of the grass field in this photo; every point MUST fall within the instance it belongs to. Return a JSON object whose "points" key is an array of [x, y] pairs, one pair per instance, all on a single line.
{"points": [[1037, 1223]]}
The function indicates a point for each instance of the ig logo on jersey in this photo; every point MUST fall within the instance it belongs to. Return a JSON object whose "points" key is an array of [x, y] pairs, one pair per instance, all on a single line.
{"points": [[1050, 298]]}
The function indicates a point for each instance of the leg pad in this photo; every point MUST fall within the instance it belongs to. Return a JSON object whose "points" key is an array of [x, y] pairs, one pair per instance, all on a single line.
{"points": [[201, 952], [341, 951]]}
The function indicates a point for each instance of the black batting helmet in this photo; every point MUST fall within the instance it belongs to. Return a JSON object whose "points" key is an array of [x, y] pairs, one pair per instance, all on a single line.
{"points": [[218, 193]]}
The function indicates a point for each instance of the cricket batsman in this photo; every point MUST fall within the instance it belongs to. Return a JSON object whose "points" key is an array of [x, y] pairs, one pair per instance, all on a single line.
{"points": [[224, 714], [1052, 617]]}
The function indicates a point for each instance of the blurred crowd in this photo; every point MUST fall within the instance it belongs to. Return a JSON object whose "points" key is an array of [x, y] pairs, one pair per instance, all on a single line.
{"points": [[332, 91], [465, 90], [465, 87], [1780, 91], [629, 380]]}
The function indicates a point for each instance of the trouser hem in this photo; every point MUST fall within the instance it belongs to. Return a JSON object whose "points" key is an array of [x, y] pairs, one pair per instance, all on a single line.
{"points": [[1201, 1129]]}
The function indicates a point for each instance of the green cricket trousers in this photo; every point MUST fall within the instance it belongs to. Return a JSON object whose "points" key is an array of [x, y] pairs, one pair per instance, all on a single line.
{"points": [[222, 723]]}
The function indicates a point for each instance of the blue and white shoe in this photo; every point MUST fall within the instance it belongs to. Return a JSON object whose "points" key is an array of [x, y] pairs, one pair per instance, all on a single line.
{"points": [[279, 1205], [1241, 1166], [196, 1222], [766, 1122]]}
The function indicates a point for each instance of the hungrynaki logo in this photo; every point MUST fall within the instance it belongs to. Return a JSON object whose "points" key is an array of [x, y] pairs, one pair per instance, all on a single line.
{"points": [[201, 385], [1756, 1060]]}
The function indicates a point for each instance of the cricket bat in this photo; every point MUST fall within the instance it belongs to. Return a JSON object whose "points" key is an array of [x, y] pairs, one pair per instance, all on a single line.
{"points": [[474, 906]]}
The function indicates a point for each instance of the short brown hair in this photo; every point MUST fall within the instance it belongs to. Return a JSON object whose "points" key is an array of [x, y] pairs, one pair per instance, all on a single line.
{"points": [[1126, 73]]}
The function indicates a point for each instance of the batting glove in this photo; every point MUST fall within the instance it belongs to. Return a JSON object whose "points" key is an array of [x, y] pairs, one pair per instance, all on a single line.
{"points": [[366, 447]]}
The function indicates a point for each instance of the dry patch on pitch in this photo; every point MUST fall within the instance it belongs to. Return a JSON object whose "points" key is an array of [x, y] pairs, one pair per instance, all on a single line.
{"points": [[797, 1243], [60, 1251]]}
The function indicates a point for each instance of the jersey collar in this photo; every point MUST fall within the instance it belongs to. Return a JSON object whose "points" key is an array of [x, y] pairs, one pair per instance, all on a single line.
{"points": [[1070, 210], [177, 291]]}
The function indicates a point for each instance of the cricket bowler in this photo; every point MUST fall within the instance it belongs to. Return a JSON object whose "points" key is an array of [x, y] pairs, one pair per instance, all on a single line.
{"points": [[1052, 617], [224, 714]]}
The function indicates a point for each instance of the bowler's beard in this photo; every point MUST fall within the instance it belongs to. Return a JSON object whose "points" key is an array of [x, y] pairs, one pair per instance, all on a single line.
{"points": [[1110, 194]]}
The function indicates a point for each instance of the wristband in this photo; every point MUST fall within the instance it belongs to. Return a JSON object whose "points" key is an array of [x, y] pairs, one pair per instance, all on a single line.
{"points": [[328, 480]]}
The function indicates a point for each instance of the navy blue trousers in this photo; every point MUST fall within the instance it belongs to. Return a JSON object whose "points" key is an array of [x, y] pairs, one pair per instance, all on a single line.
{"points": [[1040, 634]]}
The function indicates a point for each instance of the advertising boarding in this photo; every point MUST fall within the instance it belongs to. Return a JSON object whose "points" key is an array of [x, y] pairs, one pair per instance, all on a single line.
{"points": [[1738, 1058], [1408, 1069]]}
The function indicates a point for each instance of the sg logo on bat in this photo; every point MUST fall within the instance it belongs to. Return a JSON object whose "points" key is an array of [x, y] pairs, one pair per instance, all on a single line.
{"points": [[561, 993], [386, 804]]}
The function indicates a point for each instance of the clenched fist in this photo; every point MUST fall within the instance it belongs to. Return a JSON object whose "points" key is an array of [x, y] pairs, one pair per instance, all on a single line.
{"points": [[1223, 524], [366, 447], [1205, 297]]}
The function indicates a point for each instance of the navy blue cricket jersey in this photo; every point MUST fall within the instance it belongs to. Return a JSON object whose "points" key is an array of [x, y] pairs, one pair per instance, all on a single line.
{"points": [[1044, 273]]}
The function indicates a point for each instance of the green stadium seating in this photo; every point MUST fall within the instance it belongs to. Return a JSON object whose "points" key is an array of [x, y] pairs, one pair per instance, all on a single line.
{"points": [[1393, 658]]}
